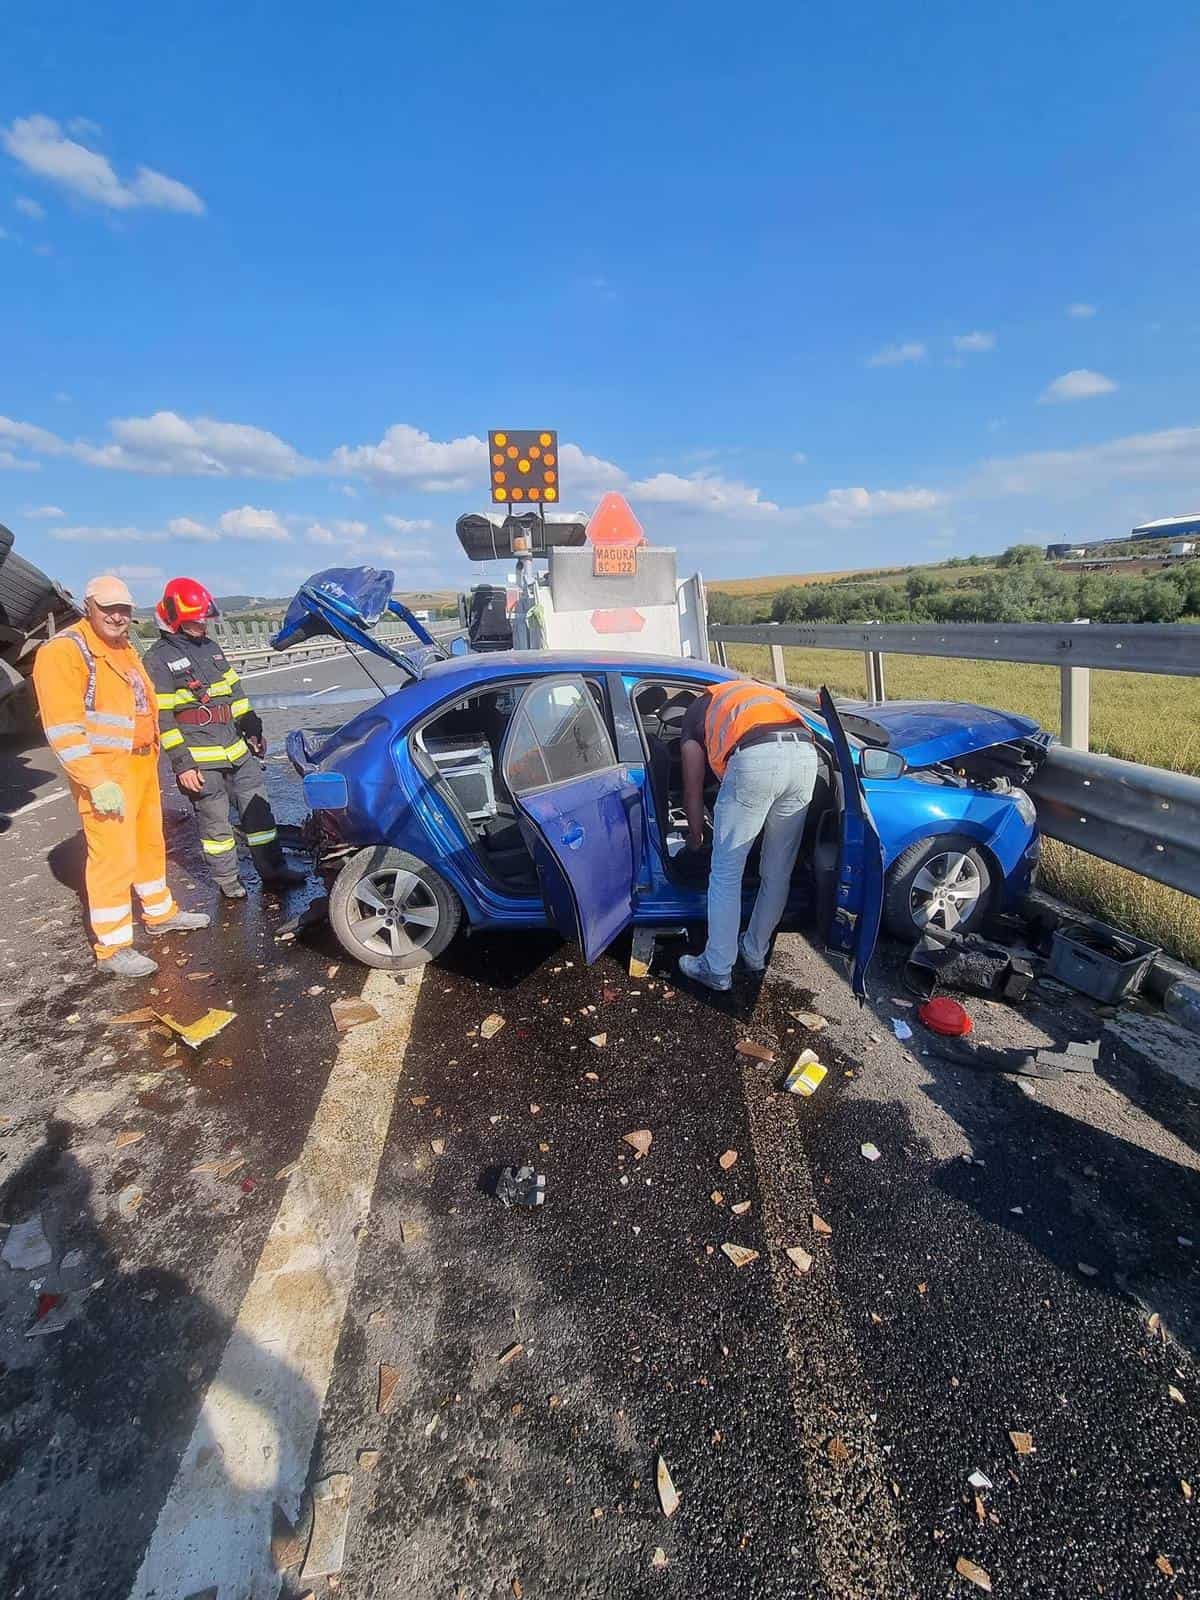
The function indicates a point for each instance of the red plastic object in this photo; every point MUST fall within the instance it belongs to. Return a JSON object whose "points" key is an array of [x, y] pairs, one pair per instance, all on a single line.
{"points": [[945, 1016]]}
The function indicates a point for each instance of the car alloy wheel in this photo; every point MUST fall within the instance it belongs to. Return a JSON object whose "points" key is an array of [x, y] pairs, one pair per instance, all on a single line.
{"points": [[946, 891], [393, 912]]}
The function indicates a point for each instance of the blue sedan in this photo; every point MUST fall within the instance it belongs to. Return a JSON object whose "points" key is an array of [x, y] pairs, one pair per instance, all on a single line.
{"points": [[532, 789]]}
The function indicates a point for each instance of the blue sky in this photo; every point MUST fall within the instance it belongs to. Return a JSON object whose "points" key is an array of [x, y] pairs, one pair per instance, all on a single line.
{"points": [[817, 289]]}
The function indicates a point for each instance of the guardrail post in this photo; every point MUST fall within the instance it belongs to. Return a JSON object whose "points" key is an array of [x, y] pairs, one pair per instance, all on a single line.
{"points": [[778, 670], [719, 647], [876, 692], [1076, 707]]}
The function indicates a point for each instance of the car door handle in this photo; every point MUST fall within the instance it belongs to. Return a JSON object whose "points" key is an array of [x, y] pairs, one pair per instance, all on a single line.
{"points": [[573, 836]]}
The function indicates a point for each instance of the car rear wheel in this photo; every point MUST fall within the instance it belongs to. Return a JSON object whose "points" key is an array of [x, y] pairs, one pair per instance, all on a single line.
{"points": [[942, 882], [388, 909]]}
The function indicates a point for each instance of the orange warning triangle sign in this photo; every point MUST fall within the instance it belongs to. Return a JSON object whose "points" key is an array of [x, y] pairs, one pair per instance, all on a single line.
{"points": [[613, 522]]}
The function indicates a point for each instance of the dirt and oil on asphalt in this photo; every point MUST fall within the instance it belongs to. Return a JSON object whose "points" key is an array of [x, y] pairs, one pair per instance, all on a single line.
{"points": [[821, 1427]]}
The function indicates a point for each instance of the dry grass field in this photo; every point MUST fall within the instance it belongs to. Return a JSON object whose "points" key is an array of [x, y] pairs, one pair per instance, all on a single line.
{"points": [[1134, 716]]}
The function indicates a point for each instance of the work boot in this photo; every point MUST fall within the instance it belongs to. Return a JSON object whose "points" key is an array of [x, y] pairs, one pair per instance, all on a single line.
{"points": [[181, 922], [127, 964], [284, 878], [696, 968], [234, 889]]}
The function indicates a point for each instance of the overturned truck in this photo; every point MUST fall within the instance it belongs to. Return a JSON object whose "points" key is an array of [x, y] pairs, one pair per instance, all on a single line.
{"points": [[32, 609]]}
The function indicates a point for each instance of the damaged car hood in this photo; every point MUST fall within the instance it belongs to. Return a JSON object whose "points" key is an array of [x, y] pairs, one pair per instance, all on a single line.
{"points": [[926, 732]]}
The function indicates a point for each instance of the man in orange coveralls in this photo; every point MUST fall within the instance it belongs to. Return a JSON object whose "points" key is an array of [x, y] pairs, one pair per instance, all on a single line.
{"points": [[98, 713]]}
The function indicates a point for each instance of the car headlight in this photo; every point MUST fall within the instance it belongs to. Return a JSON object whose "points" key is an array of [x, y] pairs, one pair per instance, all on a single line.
{"points": [[1025, 806]]}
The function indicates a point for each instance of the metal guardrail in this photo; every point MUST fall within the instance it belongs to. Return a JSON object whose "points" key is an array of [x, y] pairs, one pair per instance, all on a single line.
{"points": [[1139, 817], [1143, 818], [260, 656]]}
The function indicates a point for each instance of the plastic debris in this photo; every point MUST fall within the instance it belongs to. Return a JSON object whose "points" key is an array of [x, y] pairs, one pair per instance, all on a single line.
{"points": [[521, 1186], [127, 1137], [806, 1075], [659, 1559], [754, 1050], [26, 1247], [980, 1480], [870, 1152], [945, 1016], [799, 1257], [729, 1159], [134, 1018], [331, 1511], [741, 1208], [640, 1141], [368, 1460], [54, 1311], [194, 1034], [1022, 1443], [129, 1199], [641, 952], [901, 1028], [389, 1377], [974, 1574], [438, 1146], [739, 1255], [668, 1495], [812, 1020], [349, 1014], [820, 1225], [1176, 1395], [490, 1026], [510, 1354]]}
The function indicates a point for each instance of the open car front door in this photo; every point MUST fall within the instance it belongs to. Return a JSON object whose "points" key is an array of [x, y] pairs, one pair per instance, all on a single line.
{"points": [[579, 812], [858, 906]]}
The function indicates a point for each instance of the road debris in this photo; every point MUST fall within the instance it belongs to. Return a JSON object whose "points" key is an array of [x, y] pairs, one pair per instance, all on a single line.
{"points": [[739, 1255], [1022, 1443], [368, 1460], [288, 1541], [194, 1034], [1177, 1395], [729, 1159], [521, 1186], [639, 1141], [353, 1013], [226, 1169], [717, 1197], [973, 1574], [438, 1146], [741, 1208], [1087, 1270], [837, 1452], [641, 952], [1185, 1489], [806, 1076], [812, 1020], [331, 1511], [901, 1028], [820, 1225], [127, 1137], [491, 1025], [129, 1199], [980, 1480], [510, 1354], [385, 1391], [659, 1559], [755, 1051], [870, 1152], [27, 1248], [134, 1019], [799, 1257], [1164, 1566], [668, 1495]]}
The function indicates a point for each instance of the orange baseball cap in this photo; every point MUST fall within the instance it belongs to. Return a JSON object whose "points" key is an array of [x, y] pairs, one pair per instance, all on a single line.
{"points": [[107, 590]]}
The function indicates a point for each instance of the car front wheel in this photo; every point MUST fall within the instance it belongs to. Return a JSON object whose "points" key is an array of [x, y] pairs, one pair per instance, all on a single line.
{"points": [[388, 909], [942, 882]]}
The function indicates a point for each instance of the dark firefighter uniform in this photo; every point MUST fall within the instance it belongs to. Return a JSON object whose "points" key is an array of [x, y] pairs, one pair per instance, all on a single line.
{"points": [[205, 718]]}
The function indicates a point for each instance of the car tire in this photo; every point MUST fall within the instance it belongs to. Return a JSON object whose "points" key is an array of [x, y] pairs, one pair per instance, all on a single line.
{"points": [[379, 881], [917, 878]]}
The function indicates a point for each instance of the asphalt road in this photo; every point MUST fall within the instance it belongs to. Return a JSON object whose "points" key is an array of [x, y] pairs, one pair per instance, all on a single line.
{"points": [[224, 1340]]}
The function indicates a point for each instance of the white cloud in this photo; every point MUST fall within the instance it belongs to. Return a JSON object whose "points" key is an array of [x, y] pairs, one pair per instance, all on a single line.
{"points": [[409, 524], [42, 513], [29, 208], [895, 355], [704, 490], [587, 476], [12, 463], [858, 504], [89, 534], [136, 574], [252, 522], [84, 128], [39, 144], [318, 533], [407, 455], [189, 528], [1171, 455], [1081, 309], [972, 343], [1078, 385], [168, 445], [27, 434]]}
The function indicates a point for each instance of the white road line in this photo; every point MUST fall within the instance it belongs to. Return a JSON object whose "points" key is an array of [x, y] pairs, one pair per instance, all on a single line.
{"points": [[329, 690], [35, 805], [252, 1441]]}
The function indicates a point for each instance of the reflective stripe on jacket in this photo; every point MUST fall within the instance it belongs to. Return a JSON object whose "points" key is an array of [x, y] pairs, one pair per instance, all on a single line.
{"points": [[733, 709], [203, 709], [88, 695]]}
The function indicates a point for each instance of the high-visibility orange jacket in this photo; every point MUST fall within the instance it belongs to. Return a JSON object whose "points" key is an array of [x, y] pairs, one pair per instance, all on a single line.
{"points": [[93, 699], [734, 709]]}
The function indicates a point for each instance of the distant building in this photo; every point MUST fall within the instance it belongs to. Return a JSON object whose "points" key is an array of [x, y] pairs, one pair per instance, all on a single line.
{"points": [[1183, 547], [1167, 527]]}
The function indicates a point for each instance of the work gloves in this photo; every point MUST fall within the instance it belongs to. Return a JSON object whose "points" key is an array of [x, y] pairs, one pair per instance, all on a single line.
{"points": [[109, 799]]}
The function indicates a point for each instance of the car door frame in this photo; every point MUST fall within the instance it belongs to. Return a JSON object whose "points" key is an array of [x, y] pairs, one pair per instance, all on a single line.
{"points": [[859, 888]]}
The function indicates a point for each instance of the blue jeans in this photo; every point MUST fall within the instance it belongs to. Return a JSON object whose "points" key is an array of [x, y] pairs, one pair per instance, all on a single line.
{"points": [[766, 789]]}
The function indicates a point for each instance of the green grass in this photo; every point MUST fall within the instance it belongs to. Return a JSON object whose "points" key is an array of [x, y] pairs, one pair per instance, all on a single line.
{"points": [[1135, 716]]}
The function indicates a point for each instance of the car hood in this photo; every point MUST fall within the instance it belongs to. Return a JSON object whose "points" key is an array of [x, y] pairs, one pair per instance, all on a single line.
{"points": [[928, 731]]}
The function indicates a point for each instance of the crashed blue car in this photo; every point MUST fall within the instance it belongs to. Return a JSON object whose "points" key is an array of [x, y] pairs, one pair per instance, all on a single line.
{"points": [[533, 790]]}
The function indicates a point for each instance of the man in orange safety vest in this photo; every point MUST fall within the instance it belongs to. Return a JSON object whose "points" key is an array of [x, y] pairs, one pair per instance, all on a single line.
{"points": [[98, 714]]}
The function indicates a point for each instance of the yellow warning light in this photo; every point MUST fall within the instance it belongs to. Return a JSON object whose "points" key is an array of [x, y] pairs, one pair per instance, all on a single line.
{"points": [[527, 455], [551, 494]]}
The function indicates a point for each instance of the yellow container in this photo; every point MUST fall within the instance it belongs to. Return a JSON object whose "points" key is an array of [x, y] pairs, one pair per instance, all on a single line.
{"points": [[806, 1077]]}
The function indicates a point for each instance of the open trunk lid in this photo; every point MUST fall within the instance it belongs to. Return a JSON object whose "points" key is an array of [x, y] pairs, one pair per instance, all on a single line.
{"points": [[346, 603]]}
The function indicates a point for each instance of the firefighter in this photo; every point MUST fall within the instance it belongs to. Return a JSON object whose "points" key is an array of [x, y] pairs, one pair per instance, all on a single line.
{"points": [[97, 710], [213, 739]]}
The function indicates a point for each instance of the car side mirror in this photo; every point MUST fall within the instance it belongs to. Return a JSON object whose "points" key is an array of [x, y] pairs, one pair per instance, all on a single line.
{"points": [[876, 763], [459, 646]]}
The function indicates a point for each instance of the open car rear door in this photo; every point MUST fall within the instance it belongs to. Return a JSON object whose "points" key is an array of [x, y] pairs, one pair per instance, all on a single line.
{"points": [[579, 812], [858, 907]]}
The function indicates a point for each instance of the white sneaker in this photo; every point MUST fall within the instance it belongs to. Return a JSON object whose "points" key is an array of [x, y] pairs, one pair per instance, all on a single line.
{"points": [[696, 968], [749, 965], [181, 922], [127, 964]]}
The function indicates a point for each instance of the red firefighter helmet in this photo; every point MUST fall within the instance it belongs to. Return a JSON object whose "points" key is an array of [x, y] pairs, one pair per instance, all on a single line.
{"points": [[184, 600]]}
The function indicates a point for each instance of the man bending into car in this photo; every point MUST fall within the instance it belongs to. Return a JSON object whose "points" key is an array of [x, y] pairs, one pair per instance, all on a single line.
{"points": [[759, 747]]}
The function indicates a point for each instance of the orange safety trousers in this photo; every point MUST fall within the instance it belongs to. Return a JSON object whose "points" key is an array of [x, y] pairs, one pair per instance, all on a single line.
{"points": [[126, 853]]}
